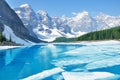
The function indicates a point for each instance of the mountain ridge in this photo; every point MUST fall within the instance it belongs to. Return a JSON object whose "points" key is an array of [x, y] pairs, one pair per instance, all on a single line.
{"points": [[46, 27], [10, 20]]}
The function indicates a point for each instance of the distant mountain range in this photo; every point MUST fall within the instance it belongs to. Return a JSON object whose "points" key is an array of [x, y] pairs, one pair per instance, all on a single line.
{"points": [[47, 28]]}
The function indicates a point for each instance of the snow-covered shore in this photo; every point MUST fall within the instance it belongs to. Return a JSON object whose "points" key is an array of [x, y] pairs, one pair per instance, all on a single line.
{"points": [[8, 47], [81, 42], [101, 42], [90, 42]]}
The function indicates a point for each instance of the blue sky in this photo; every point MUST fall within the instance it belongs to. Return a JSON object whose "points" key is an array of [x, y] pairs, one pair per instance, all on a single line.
{"points": [[66, 7]]}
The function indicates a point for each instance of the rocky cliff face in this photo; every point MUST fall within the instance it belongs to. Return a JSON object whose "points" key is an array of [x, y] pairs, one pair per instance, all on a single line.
{"points": [[9, 17]]}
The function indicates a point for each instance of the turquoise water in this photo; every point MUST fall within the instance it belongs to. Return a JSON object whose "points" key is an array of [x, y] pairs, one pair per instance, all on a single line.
{"points": [[19, 63], [22, 62]]}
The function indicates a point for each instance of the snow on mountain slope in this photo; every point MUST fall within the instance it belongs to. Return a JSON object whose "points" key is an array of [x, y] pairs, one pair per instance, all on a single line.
{"points": [[47, 34], [8, 32], [25, 5], [11, 19], [44, 18], [39, 24], [106, 21], [44, 27], [28, 16], [81, 22]]}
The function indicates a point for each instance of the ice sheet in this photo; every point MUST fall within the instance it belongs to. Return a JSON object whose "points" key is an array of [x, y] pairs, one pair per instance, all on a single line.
{"points": [[44, 74], [104, 63], [103, 55], [86, 75]]}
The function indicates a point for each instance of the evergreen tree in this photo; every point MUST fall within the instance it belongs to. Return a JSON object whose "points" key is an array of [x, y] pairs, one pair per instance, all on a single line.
{"points": [[10, 39], [108, 34], [2, 38]]}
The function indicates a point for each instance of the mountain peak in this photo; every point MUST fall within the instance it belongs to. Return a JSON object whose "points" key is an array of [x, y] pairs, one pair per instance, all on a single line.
{"points": [[42, 12], [102, 15], [84, 13], [80, 15], [25, 6], [44, 27]]}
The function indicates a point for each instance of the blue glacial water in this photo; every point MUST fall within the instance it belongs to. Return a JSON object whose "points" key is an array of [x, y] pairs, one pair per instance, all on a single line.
{"points": [[19, 63]]}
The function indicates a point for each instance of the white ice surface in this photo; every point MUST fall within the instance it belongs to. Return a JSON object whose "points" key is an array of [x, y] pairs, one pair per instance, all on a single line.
{"points": [[101, 42], [44, 74], [94, 54], [86, 75], [107, 42], [104, 63], [8, 47], [102, 54]]}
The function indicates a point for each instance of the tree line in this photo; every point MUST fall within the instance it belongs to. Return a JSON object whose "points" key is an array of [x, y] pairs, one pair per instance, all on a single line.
{"points": [[3, 38], [107, 34]]}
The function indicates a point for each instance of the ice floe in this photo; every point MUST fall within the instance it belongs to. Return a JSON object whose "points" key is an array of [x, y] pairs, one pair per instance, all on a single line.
{"points": [[104, 63], [94, 56], [44, 74], [89, 75]]}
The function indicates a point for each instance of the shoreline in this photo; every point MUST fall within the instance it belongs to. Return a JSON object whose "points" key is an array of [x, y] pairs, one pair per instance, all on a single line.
{"points": [[8, 47], [93, 41], [76, 42]]}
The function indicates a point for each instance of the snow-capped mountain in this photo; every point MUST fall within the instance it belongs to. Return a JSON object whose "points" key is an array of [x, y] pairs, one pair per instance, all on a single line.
{"points": [[47, 28], [12, 26], [106, 21], [28, 17], [81, 22]]}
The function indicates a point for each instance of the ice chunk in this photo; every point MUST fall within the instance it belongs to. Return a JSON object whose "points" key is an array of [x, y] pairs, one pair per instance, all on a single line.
{"points": [[104, 63], [44, 74], [116, 77], [86, 75], [100, 55]]}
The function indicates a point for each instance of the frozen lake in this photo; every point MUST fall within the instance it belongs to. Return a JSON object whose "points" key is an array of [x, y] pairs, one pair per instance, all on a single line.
{"points": [[62, 61]]}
